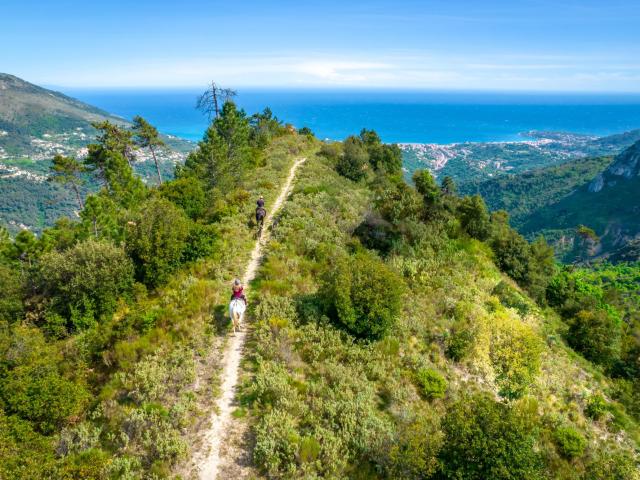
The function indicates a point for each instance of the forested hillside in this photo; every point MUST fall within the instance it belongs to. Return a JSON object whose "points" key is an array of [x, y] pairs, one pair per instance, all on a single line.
{"points": [[35, 125], [396, 330], [522, 194], [600, 219]]}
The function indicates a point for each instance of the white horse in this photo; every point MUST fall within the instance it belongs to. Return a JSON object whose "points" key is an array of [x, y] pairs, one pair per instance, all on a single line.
{"points": [[236, 312]]}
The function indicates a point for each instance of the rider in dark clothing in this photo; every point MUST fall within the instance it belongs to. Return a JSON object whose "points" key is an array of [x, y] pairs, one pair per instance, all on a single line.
{"points": [[261, 213]]}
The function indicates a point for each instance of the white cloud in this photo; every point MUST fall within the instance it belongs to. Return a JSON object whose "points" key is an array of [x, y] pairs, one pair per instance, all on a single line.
{"points": [[393, 69]]}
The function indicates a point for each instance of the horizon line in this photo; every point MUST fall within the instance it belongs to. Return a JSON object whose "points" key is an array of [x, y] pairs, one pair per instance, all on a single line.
{"points": [[349, 88]]}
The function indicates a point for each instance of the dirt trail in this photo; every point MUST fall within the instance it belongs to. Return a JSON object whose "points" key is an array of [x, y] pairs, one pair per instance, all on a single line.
{"points": [[209, 461]]}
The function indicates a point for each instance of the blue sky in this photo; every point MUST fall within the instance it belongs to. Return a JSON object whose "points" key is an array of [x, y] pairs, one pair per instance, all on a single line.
{"points": [[561, 45]]}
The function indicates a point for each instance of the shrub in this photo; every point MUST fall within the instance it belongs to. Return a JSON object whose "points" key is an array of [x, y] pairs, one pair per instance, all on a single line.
{"points": [[510, 297], [354, 160], [200, 242], [12, 292], [485, 439], [86, 280], [513, 254], [570, 442], [331, 151], [426, 186], [612, 465], [186, 193], [474, 217], [595, 334], [363, 295], [515, 351], [274, 306], [432, 383], [276, 444], [459, 343], [38, 393], [596, 407], [413, 455], [306, 131], [156, 240], [397, 202], [25, 454], [87, 464]]}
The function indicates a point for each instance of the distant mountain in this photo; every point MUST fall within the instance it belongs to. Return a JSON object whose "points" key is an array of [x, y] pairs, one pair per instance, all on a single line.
{"points": [[37, 123], [28, 111], [524, 193], [608, 205], [626, 166]]}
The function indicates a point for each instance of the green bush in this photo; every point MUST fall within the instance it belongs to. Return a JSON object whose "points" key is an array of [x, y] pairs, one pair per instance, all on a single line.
{"points": [[595, 334], [510, 297], [274, 306], [156, 240], [413, 453], [200, 242], [484, 439], [12, 293], [596, 407], [187, 193], [86, 280], [426, 186], [515, 352], [363, 295], [433, 384], [513, 254], [474, 217], [331, 151], [276, 444], [24, 453], [570, 442], [386, 158], [612, 465], [459, 343], [354, 161], [39, 394]]}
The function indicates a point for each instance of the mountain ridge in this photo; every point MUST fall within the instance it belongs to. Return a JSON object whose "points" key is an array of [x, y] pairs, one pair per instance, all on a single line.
{"points": [[35, 125], [608, 205]]}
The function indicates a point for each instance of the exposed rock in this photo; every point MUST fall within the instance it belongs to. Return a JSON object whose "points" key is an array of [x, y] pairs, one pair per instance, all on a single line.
{"points": [[626, 165]]}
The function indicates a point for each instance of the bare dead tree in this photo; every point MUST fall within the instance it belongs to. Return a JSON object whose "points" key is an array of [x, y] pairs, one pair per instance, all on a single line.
{"points": [[213, 97]]}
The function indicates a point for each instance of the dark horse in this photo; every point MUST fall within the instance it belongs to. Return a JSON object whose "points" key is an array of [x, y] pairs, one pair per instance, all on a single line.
{"points": [[260, 214]]}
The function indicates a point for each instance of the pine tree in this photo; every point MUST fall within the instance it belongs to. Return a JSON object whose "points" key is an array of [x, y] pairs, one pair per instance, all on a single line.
{"points": [[146, 136], [67, 171]]}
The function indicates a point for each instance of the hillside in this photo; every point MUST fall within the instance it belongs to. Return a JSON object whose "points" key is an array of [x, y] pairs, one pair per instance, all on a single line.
{"points": [[29, 112], [335, 389], [35, 125], [608, 204], [524, 193], [474, 162], [392, 330]]}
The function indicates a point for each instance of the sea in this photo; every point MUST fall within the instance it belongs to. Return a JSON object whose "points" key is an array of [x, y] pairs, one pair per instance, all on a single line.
{"points": [[439, 117]]}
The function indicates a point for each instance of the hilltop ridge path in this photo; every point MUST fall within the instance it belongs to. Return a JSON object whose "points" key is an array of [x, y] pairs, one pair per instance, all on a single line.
{"points": [[209, 462]]}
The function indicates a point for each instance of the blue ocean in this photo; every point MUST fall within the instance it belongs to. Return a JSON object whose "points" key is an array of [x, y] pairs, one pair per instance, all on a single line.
{"points": [[398, 116]]}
